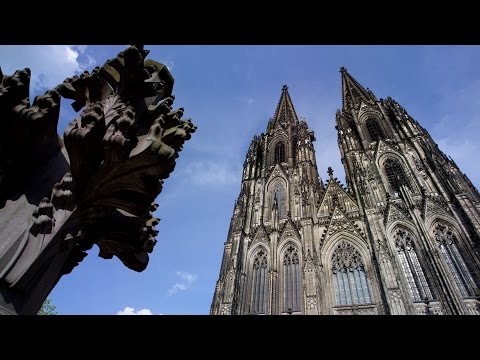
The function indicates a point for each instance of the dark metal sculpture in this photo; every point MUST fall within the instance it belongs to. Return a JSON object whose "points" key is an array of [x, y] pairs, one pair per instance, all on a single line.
{"points": [[119, 149]]}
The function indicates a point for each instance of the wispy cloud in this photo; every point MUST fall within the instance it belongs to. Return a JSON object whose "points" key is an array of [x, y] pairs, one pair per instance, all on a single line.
{"points": [[131, 311], [187, 280], [211, 173], [50, 64], [250, 101]]}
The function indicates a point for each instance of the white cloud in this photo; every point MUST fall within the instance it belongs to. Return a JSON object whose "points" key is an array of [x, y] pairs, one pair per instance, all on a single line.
{"points": [[176, 288], [49, 64], [250, 101], [188, 279], [211, 173], [131, 311]]}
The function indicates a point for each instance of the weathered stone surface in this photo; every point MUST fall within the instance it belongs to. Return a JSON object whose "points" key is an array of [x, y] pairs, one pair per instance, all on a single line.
{"points": [[120, 148]]}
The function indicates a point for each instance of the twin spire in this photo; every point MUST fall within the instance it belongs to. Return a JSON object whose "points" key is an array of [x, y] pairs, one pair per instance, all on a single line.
{"points": [[352, 96], [353, 93], [285, 112]]}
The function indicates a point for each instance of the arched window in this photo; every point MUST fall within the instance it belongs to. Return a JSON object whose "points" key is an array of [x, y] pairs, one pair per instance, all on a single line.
{"points": [[291, 280], [446, 241], [278, 195], [259, 282], [395, 174], [374, 130], [349, 277], [414, 274], [279, 152]]}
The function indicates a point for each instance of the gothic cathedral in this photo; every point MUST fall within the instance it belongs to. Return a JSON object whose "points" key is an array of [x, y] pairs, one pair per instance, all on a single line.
{"points": [[402, 237]]}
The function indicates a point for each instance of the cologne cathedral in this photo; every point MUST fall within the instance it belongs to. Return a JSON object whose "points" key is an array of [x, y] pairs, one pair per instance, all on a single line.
{"points": [[401, 236]]}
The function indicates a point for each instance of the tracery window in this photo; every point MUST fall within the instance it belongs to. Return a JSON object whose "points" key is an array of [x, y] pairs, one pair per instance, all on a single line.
{"points": [[395, 174], [278, 195], [374, 130], [349, 277], [417, 282], [447, 242], [259, 282], [279, 152], [291, 280]]}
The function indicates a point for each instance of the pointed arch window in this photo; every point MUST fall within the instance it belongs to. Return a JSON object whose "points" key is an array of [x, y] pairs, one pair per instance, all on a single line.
{"points": [[279, 152], [374, 130], [447, 242], [418, 285], [291, 280], [395, 174], [349, 277], [278, 196], [259, 282]]}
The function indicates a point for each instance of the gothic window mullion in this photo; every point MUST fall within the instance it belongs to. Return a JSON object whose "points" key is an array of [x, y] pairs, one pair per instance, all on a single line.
{"points": [[374, 130], [262, 286], [395, 174], [279, 152], [287, 284], [298, 281], [464, 278], [259, 283], [295, 286], [408, 271], [459, 270], [454, 269], [336, 286], [414, 273], [359, 286], [351, 285], [350, 282], [346, 287], [366, 289], [292, 296]]}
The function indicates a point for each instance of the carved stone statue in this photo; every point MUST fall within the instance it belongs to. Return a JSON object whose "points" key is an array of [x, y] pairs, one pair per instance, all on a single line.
{"points": [[115, 155]]}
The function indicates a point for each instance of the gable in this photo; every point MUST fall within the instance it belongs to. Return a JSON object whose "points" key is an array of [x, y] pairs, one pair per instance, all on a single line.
{"points": [[277, 172], [335, 193], [340, 222]]}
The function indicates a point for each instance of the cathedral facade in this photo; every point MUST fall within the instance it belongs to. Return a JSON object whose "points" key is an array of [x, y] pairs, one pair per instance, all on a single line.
{"points": [[402, 237]]}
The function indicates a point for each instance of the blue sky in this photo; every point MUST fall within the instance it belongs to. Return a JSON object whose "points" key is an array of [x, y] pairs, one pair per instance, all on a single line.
{"points": [[230, 92]]}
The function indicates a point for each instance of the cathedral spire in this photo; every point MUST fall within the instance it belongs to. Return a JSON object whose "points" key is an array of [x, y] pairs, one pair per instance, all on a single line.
{"points": [[285, 112], [353, 93]]}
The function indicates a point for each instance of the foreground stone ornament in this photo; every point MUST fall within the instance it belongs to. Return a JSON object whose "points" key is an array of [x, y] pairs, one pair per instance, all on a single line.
{"points": [[120, 148]]}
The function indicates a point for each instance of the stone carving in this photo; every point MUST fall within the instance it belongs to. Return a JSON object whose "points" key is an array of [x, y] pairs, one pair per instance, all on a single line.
{"points": [[309, 265], [339, 222], [433, 207], [366, 311], [29, 132], [226, 309], [473, 306], [396, 212], [121, 147], [420, 168], [311, 303], [344, 312]]}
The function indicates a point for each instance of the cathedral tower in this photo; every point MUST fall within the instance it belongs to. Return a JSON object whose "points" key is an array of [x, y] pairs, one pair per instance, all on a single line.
{"points": [[401, 238]]}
